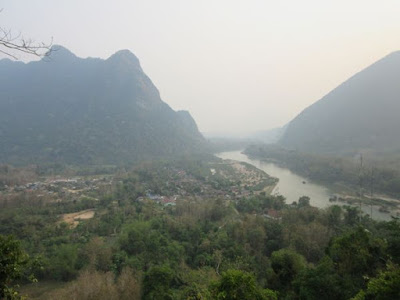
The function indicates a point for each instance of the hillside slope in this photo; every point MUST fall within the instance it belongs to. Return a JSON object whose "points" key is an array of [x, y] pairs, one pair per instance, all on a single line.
{"points": [[87, 111], [362, 114]]}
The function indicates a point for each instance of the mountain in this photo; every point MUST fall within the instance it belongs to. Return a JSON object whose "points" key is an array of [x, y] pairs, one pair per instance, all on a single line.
{"points": [[270, 136], [362, 114], [87, 111]]}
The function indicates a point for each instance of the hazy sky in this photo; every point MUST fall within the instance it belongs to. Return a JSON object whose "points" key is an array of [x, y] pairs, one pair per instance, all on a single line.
{"points": [[235, 65]]}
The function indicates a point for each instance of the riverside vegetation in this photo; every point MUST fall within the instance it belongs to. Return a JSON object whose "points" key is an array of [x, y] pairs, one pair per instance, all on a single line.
{"points": [[378, 176], [175, 230]]}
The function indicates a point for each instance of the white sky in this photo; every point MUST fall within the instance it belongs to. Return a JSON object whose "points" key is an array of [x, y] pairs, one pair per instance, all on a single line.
{"points": [[235, 65]]}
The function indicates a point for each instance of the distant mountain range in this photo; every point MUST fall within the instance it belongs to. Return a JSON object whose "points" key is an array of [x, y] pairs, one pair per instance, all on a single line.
{"points": [[87, 111], [362, 114]]}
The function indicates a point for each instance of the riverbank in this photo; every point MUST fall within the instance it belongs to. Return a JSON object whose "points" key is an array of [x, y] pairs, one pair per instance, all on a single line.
{"points": [[293, 186], [341, 174]]}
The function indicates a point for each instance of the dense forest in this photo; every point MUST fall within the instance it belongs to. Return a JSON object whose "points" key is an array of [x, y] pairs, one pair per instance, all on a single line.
{"points": [[208, 244]]}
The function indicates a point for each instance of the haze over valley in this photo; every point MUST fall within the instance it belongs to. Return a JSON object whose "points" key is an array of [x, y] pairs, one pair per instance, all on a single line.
{"points": [[181, 150]]}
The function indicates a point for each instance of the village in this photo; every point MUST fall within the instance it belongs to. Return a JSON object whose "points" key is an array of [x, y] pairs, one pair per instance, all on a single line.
{"points": [[59, 188], [226, 179]]}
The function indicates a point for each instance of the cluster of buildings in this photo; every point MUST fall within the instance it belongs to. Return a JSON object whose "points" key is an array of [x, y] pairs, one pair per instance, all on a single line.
{"points": [[164, 200], [60, 186]]}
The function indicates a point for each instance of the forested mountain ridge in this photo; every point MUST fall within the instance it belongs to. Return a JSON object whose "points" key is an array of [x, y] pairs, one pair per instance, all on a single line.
{"points": [[360, 114], [86, 111]]}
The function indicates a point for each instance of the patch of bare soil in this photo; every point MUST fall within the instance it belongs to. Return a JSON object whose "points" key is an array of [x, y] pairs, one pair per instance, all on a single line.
{"points": [[73, 219]]}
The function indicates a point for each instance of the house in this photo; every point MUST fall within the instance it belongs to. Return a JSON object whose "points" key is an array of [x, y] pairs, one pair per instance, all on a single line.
{"points": [[272, 214]]}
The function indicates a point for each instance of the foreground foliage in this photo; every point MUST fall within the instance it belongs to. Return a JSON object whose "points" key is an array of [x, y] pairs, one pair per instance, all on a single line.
{"points": [[202, 247]]}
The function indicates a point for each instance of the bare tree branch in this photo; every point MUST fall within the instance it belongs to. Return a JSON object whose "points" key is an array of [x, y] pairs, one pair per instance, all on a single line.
{"points": [[8, 54], [11, 44]]}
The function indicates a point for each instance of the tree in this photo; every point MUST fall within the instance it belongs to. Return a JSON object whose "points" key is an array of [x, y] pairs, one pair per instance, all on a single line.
{"points": [[351, 216], [334, 216], [63, 263], [157, 283], [239, 285], [304, 201], [10, 44], [386, 286], [390, 232], [321, 282], [357, 253], [287, 264], [12, 262]]}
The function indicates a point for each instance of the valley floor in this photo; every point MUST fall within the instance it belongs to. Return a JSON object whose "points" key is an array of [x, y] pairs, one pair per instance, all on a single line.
{"points": [[183, 229]]}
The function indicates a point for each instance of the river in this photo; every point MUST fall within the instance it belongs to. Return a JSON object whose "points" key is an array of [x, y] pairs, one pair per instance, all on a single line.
{"points": [[293, 186]]}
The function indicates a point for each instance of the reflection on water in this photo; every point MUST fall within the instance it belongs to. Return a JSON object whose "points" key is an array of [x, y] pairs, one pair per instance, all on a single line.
{"points": [[293, 186]]}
